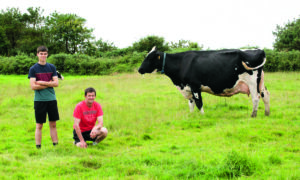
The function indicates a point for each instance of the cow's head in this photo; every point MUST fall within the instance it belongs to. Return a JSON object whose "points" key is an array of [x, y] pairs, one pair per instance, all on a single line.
{"points": [[59, 76], [151, 62]]}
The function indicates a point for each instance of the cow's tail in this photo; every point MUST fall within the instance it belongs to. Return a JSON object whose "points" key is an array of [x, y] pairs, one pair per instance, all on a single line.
{"points": [[254, 68]]}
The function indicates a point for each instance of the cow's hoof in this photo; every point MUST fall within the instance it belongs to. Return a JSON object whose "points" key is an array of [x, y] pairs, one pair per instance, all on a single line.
{"points": [[202, 111], [254, 113], [267, 113]]}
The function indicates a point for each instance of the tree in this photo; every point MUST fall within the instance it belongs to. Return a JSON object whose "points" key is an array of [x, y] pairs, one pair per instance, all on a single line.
{"points": [[147, 43], [12, 26], [105, 46], [20, 32], [25, 32], [95, 48], [33, 34], [4, 43], [288, 36], [185, 44], [66, 33]]}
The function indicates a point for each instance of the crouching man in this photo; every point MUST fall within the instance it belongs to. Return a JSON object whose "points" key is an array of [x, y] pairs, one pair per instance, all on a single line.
{"points": [[86, 113]]}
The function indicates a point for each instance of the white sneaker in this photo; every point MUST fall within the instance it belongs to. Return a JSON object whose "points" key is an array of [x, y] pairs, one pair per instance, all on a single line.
{"points": [[94, 143]]}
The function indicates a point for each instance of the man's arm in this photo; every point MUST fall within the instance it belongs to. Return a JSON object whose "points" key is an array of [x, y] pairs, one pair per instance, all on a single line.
{"points": [[35, 86], [97, 127], [78, 132], [100, 123], [53, 83]]}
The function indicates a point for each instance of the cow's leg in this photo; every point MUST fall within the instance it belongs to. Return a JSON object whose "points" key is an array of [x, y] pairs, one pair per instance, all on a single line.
{"points": [[186, 92], [254, 94], [266, 99], [198, 100], [255, 101], [264, 94], [191, 104]]}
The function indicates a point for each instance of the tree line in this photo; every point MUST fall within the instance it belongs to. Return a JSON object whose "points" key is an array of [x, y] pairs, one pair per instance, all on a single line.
{"points": [[23, 32], [61, 33], [67, 33]]}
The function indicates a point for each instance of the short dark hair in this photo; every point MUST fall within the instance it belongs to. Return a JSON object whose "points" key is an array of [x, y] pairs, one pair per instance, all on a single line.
{"points": [[89, 90], [42, 49]]}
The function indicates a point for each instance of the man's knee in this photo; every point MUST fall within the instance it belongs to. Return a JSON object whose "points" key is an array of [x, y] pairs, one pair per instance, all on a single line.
{"points": [[102, 135], [104, 131], [52, 124], [39, 126]]}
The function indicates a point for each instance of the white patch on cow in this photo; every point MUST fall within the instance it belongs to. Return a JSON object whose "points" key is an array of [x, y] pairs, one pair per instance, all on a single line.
{"points": [[191, 105], [196, 95], [252, 84], [245, 77], [186, 92]]}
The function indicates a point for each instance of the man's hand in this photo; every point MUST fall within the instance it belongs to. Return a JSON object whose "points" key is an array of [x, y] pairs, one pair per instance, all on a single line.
{"points": [[82, 144], [93, 133], [96, 130], [35, 86]]}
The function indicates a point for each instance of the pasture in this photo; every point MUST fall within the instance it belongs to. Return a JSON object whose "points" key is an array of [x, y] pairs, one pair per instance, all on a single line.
{"points": [[152, 134]]}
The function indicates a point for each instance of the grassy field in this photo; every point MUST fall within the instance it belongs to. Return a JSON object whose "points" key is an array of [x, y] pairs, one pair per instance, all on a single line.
{"points": [[152, 134]]}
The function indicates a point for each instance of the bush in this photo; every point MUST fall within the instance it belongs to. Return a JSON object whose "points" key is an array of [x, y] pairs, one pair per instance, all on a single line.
{"points": [[59, 60], [282, 61], [87, 65], [147, 43], [19, 64]]}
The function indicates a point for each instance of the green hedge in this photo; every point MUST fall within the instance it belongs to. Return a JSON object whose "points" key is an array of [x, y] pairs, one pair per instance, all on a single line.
{"points": [[16, 65], [74, 64], [282, 61], [87, 65]]}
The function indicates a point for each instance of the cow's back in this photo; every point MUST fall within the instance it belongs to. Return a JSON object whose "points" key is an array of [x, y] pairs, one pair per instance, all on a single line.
{"points": [[216, 69]]}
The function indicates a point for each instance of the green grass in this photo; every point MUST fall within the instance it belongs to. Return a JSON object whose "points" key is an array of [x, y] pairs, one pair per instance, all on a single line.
{"points": [[152, 134]]}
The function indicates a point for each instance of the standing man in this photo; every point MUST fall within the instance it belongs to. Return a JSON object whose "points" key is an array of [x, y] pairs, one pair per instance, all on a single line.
{"points": [[86, 113], [43, 78]]}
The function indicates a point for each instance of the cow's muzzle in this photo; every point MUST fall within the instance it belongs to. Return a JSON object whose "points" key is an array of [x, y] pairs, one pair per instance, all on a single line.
{"points": [[141, 71]]}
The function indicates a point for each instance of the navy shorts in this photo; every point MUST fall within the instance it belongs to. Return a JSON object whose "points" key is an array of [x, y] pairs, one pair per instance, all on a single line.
{"points": [[42, 108], [86, 136]]}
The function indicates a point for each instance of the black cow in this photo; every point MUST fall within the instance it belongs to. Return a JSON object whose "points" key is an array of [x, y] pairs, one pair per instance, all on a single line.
{"points": [[221, 73]]}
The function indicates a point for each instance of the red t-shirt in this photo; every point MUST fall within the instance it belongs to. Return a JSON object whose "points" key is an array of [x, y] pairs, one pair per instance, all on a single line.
{"points": [[88, 116]]}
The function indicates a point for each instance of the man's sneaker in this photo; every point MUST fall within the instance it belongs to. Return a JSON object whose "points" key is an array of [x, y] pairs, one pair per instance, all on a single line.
{"points": [[95, 143]]}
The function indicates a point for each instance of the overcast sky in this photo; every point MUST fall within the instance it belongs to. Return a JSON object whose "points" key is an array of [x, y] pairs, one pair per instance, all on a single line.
{"points": [[213, 23]]}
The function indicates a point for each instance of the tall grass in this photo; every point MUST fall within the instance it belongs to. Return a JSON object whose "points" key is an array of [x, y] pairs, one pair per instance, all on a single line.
{"points": [[152, 134]]}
